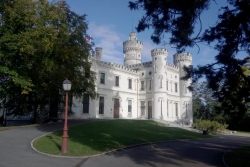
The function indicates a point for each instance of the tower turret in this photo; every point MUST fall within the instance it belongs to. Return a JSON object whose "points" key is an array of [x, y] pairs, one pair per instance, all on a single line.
{"points": [[159, 78], [98, 53], [181, 60], [132, 50]]}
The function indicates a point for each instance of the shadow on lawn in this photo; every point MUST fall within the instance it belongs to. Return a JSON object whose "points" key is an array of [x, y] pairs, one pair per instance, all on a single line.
{"points": [[177, 153]]}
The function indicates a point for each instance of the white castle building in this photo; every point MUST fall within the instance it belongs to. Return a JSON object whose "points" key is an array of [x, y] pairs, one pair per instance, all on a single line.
{"points": [[137, 90]]}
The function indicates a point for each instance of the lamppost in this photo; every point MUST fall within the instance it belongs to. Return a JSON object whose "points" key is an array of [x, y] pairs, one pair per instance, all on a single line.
{"points": [[66, 88]]}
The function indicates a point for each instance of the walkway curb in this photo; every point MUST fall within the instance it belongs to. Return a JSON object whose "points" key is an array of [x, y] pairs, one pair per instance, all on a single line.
{"points": [[114, 150]]}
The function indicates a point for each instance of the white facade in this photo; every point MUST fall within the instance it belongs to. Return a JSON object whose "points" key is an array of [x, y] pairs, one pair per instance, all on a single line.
{"points": [[136, 90]]}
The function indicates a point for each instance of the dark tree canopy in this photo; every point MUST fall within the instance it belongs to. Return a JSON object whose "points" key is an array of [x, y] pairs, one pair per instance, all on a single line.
{"points": [[228, 76], [41, 44]]}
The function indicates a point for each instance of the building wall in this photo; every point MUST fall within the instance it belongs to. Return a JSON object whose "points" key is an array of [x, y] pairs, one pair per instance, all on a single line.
{"points": [[162, 87]]}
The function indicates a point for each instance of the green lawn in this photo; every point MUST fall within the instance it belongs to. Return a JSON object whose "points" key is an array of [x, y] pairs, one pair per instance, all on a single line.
{"points": [[98, 137], [239, 157]]}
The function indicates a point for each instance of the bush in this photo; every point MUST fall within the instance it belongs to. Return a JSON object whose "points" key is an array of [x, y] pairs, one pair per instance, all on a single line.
{"points": [[210, 126]]}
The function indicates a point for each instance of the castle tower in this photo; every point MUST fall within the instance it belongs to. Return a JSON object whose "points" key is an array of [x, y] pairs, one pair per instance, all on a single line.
{"points": [[98, 53], [132, 50], [159, 57], [181, 60]]}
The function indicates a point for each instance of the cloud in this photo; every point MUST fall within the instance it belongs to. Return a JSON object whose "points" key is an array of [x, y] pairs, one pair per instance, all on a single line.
{"points": [[106, 37]]}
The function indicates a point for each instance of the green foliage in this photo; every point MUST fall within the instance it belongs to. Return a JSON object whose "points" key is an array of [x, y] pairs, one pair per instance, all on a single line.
{"points": [[228, 77], [41, 44], [99, 137], [210, 126]]}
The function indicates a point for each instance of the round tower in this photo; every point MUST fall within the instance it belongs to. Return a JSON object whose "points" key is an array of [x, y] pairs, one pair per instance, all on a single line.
{"points": [[159, 57], [98, 53], [181, 60], [132, 50]]}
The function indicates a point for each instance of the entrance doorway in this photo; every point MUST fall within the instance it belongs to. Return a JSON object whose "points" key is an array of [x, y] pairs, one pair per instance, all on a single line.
{"points": [[149, 109], [116, 108]]}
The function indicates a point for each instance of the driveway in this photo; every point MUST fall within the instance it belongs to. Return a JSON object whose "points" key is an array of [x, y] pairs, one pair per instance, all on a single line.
{"points": [[15, 151]]}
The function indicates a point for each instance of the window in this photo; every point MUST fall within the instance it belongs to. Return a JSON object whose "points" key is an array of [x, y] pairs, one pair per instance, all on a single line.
{"points": [[85, 103], [142, 108], [142, 85], [101, 105], [102, 79], [185, 88], [87, 72], [186, 105], [130, 83], [155, 68], [176, 109], [176, 87], [167, 110], [161, 82], [167, 85], [150, 84], [116, 81], [129, 107]]}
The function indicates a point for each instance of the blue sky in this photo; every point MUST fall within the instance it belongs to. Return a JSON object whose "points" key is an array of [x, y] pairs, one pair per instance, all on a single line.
{"points": [[111, 21]]}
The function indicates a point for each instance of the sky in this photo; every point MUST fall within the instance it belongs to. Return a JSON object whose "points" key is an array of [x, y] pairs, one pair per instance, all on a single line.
{"points": [[111, 21]]}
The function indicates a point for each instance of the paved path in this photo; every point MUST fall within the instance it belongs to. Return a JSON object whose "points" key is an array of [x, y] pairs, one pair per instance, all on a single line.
{"points": [[15, 151]]}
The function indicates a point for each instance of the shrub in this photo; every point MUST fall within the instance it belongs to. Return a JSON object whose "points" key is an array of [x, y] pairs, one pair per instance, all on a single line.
{"points": [[210, 126]]}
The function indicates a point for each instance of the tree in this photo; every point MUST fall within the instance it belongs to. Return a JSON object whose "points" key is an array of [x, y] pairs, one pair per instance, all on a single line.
{"points": [[41, 44], [230, 35], [205, 106]]}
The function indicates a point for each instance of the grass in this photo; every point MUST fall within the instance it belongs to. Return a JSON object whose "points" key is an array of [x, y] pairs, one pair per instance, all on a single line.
{"points": [[99, 137], [239, 157]]}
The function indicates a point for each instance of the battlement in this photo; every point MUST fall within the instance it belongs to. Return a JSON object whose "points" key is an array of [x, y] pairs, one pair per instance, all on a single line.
{"points": [[159, 52], [186, 56], [172, 67], [116, 66], [98, 49], [141, 65], [130, 45]]}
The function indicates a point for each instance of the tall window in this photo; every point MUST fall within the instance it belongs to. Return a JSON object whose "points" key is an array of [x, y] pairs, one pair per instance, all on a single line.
{"points": [[186, 105], [185, 88], [176, 87], [101, 105], [160, 82], [102, 79], [167, 110], [85, 103], [116, 81], [129, 107], [130, 83], [142, 85], [87, 72], [150, 84], [167, 85], [176, 109], [155, 68], [142, 108]]}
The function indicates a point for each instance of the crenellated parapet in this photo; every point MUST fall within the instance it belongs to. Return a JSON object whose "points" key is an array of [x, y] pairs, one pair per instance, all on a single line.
{"points": [[182, 57], [172, 67], [141, 65], [159, 52], [129, 46], [116, 67]]}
